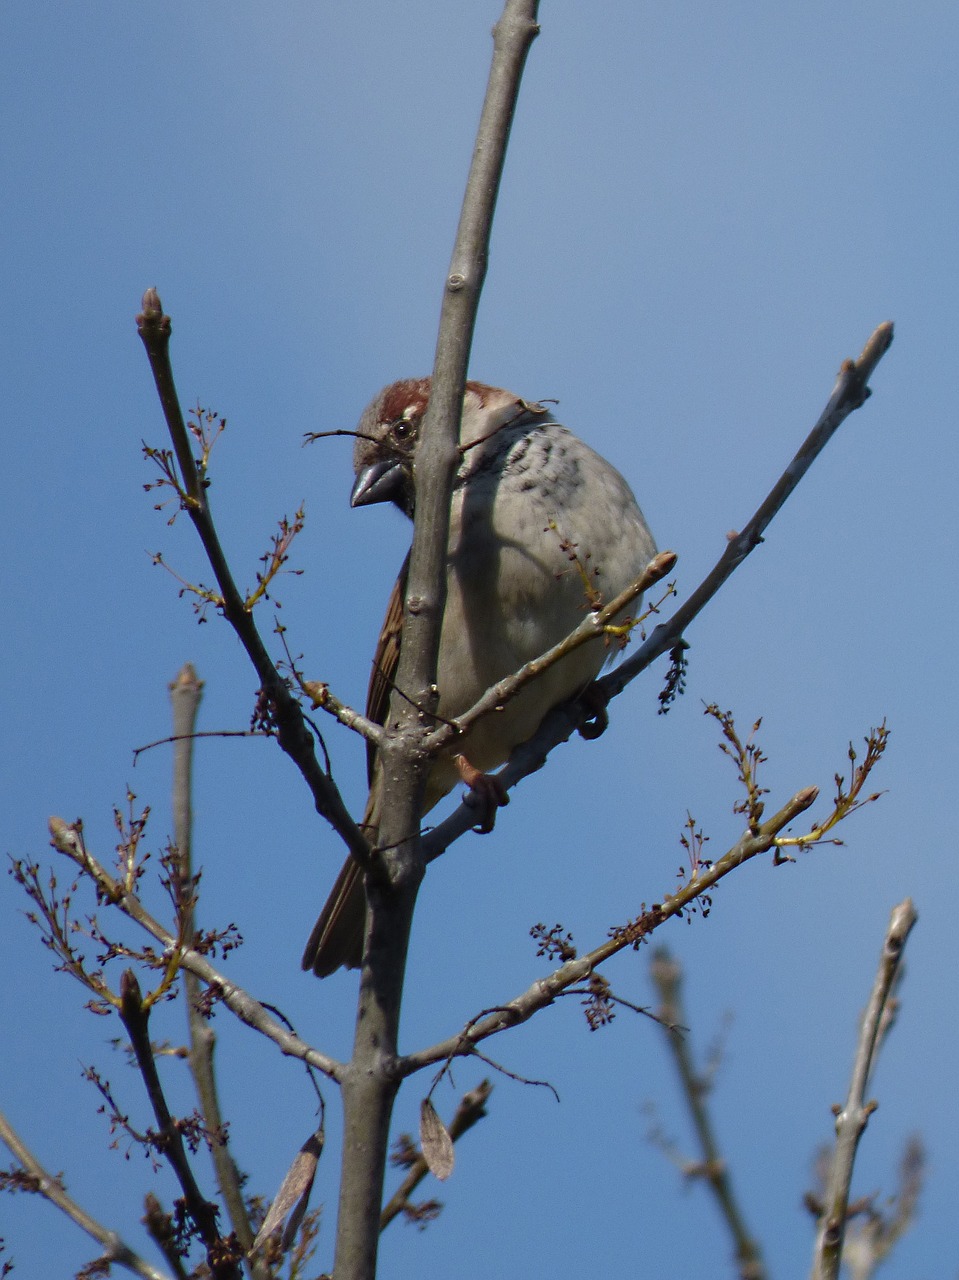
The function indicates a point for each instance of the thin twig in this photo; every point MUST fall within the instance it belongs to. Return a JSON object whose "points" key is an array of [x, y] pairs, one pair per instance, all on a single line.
{"points": [[852, 1118], [667, 977], [593, 626], [115, 1250], [206, 733], [235, 998], [850, 393]]}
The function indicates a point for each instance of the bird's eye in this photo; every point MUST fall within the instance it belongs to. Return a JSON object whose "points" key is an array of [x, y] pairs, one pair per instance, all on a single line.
{"points": [[401, 429]]}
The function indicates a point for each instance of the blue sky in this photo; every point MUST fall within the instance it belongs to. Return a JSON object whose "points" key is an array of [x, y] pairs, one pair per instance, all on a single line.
{"points": [[704, 211]]}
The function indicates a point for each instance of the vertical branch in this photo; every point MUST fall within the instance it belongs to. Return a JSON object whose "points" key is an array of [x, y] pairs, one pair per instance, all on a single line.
{"points": [[852, 1118], [371, 1081], [186, 692], [437, 456]]}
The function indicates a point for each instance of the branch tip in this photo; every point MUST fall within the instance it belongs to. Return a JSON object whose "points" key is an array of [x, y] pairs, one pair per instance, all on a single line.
{"points": [[151, 322], [186, 678], [880, 340], [130, 993], [901, 920], [805, 798], [661, 564]]}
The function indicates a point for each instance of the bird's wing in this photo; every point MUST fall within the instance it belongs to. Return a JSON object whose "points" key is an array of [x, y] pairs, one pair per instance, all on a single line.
{"points": [[385, 661]]}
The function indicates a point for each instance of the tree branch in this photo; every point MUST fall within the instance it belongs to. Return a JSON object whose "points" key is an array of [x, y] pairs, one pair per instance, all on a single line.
{"points": [[850, 393], [594, 625], [545, 990], [438, 455], [370, 1081], [667, 976], [114, 1248], [292, 733], [185, 694], [221, 1255], [562, 722], [471, 1110], [851, 1119], [66, 840]]}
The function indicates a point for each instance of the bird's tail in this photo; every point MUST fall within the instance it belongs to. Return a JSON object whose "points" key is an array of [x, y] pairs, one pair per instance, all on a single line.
{"points": [[337, 937]]}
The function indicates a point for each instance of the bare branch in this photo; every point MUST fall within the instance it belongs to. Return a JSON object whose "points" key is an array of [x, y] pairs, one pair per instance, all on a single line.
{"points": [[222, 1255], [759, 838], [185, 694], [852, 1118], [115, 1250], [849, 394], [711, 1166], [370, 1083], [238, 1001], [293, 735], [206, 733], [596, 623], [438, 455], [545, 990], [875, 1233]]}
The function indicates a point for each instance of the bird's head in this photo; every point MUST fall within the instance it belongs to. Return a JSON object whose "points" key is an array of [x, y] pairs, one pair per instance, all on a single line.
{"points": [[388, 433]]}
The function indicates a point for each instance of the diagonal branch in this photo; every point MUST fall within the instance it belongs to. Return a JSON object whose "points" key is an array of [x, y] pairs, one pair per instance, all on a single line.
{"points": [[222, 1257], [851, 391], [545, 990], [115, 1250], [65, 839], [293, 735], [471, 1109], [594, 625]]}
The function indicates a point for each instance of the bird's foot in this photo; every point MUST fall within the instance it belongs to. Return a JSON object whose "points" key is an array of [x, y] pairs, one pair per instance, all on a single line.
{"points": [[597, 722], [487, 793]]}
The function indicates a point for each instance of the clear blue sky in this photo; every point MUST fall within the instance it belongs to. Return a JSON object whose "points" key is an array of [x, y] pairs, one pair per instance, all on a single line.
{"points": [[705, 209]]}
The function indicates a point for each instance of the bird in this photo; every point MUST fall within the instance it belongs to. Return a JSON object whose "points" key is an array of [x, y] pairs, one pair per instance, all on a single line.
{"points": [[541, 528]]}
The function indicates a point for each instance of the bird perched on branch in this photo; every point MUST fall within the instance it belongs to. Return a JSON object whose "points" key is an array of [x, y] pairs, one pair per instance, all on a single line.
{"points": [[541, 530]]}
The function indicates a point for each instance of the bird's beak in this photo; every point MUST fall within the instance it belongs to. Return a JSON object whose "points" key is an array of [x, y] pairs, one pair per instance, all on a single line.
{"points": [[379, 482]]}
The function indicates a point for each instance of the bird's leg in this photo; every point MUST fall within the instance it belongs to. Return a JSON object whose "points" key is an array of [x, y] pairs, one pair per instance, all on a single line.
{"points": [[489, 792]]}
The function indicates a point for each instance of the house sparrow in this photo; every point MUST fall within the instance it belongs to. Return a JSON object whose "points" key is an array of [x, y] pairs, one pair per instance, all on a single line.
{"points": [[540, 528]]}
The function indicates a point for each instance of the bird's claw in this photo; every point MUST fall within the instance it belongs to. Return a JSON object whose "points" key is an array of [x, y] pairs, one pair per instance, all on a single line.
{"points": [[486, 793], [597, 722]]}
